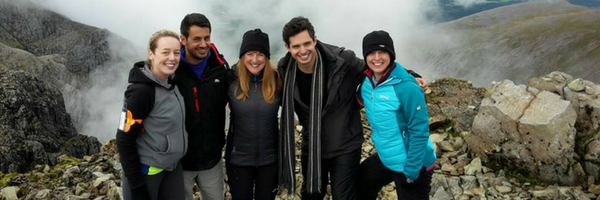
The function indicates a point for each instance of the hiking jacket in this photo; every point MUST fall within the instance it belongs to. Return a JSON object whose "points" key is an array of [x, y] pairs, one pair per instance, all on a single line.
{"points": [[397, 113], [151, 131], [205, 99], [254, 127], [341, 127]]}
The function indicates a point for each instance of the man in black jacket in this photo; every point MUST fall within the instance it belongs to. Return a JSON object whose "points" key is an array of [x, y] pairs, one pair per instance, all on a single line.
{"points": [[202, 80], [320, 82]]}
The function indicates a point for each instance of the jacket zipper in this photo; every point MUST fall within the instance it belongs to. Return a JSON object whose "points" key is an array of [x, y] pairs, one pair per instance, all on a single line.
{"points": [[196, 99], [257, 137], [183, 122]]}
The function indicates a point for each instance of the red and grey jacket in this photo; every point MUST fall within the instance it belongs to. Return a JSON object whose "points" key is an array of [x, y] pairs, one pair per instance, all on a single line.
{"points": [[151, 131], [205, 101]]}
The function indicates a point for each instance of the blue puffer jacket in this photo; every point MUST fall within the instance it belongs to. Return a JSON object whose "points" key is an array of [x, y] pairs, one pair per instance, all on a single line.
{"points": [[397, 112]]}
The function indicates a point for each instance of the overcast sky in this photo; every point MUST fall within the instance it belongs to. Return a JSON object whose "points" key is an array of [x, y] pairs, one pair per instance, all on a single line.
{"points": [[342, 23]]}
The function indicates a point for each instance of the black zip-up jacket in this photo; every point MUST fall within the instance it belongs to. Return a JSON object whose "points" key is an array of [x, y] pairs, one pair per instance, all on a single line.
{"points": [[254, 128], [341, 129], [205, 101]]}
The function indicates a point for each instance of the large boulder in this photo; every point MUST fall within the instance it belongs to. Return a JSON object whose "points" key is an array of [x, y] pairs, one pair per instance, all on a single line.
{"points": [[584, 96], [34, 125], [529, 131]]}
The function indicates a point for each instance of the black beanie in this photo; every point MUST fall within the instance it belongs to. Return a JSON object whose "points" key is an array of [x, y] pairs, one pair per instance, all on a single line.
{"points": [[378, 40], [255, 40]]}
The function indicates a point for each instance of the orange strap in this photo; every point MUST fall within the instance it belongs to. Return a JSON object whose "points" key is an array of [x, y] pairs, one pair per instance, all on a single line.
{"points": [[130, 121]]}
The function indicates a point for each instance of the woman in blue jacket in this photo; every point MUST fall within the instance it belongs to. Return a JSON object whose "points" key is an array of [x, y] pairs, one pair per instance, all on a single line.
{"points": [[396, 109], [252, 145]]}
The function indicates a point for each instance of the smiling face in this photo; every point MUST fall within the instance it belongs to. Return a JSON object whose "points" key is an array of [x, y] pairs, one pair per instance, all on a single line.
{"points": [[378, 61], [197, 44], [302, 48], [164, 58], [254, 62]]}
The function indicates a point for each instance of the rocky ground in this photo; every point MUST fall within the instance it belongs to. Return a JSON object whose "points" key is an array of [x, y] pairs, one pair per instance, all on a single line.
{"points": [[459, 174]]}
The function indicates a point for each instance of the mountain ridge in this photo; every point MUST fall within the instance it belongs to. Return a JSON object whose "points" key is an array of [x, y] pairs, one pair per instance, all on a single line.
{"points": [[514, 42]]}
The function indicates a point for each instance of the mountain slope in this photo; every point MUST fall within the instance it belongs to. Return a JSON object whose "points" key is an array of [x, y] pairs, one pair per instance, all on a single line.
{"points": [[515, 42]]}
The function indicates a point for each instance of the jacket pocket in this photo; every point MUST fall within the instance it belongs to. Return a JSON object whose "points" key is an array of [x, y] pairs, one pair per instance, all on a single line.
{"points": [[174, 143]]}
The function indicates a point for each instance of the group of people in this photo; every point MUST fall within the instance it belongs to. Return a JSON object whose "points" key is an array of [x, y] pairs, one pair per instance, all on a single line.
{"points": [[172, 129]]}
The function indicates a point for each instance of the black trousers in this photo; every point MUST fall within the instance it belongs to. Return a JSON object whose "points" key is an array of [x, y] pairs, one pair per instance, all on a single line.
{"points": [[373, 175], [164, 185], [248, 182], [342, 171]]}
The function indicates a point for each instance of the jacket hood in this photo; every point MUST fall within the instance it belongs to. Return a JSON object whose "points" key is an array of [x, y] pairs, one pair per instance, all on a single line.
{"points": [[140, 73]]}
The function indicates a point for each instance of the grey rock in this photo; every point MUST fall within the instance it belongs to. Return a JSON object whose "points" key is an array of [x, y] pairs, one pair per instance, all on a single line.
{"points": [[469, 182], [114, 192], [70, 171], [9, 193], [549, 193], [553, 82], [441, 194], [528, 130], [503, 189], [447, 167], [98, 175], [577, 85], [438, 181], [43, 194], [454, 184], [474, 168], [100, 181]]}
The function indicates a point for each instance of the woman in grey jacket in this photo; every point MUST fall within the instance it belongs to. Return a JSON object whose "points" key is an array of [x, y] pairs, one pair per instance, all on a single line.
{"points": [[151, 137], [253, 134]]}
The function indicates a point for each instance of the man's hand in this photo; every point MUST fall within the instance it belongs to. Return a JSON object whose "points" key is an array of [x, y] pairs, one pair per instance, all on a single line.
{"points": [[422, 83]]}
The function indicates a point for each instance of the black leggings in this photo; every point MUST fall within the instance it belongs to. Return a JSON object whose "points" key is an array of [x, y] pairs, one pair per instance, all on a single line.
{"points": [[373, 175], [164, 185], [246, 181]]}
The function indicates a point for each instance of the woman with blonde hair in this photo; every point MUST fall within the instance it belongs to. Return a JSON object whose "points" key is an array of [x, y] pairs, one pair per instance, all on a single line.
{"points": [[252, 141], [151, 137]]}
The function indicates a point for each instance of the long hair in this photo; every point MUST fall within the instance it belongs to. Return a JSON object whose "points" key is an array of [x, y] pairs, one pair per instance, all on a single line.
{"points": [[271, 82]]}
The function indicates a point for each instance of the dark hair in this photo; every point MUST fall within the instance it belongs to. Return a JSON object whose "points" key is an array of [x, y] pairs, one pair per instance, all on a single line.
{"points": [[295, 26], [193, 19]]}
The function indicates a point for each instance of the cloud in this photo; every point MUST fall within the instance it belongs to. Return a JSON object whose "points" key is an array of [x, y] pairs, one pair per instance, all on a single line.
{"points": [[342, 23], [468, 3]]}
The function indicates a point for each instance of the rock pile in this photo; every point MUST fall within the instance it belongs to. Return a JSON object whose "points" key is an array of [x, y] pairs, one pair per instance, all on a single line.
{"points": [[460, 174]]}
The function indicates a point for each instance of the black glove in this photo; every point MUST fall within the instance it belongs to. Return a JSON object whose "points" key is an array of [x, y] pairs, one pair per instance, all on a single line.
{"points": [[140, 193]]}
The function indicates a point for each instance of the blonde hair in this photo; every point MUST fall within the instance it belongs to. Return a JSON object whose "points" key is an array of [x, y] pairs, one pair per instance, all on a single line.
{"points": [[271, 82], [152, 43]]}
